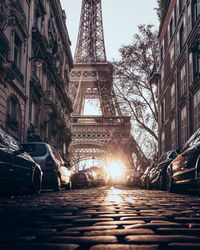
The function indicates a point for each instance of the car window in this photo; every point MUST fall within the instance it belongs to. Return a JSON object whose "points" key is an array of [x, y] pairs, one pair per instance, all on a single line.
{"points": [[80, 176], [173, 155], [7, 141], [56, 154], [35, 150]]}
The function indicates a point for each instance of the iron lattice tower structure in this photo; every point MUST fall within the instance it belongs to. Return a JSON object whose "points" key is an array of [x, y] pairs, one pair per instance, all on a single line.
{"points": [[92, 78], [90, 46]]}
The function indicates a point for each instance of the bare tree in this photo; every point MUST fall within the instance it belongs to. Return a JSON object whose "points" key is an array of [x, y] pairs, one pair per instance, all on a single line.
{"points": [[136, 95]]}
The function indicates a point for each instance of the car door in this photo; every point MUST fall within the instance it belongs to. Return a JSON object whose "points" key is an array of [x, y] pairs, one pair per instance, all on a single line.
{"points": [[18, 166], [5, 160]]}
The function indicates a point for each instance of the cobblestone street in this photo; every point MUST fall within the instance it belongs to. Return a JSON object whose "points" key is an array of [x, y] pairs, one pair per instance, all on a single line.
{"points": [[100, 218]]}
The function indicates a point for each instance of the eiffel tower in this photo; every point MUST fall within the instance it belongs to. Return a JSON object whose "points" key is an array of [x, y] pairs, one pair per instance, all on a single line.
{"points": [[95, 136]]}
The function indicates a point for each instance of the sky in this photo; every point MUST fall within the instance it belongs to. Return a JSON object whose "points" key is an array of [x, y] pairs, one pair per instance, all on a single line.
{"points": [[120, 21]]}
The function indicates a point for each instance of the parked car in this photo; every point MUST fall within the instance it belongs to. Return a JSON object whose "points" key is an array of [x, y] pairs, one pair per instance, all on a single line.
{"points": [[17, 169], [156, 177], [91, 176], [143, 178], [56, 173], [81, 180], [134, 179], [185, 168]]}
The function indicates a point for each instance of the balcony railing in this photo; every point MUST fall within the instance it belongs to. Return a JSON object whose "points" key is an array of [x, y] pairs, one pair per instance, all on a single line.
{"points": [[98, 120], [50, 102], [18, 6]]}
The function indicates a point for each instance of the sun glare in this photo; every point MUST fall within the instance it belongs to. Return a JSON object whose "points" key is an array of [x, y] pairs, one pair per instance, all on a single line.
{"points": [[115, 170]]}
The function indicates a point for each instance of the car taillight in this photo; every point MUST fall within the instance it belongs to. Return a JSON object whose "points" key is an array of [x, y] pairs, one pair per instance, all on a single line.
{"points": [[49, 161]]}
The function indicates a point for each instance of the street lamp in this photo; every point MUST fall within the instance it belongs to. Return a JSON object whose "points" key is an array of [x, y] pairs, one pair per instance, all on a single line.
{"points": [[37, 60]]}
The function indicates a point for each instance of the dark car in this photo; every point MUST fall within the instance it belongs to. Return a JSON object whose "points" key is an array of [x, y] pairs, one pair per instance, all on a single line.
{"points": [[56, 172], [143, 178], [134, 179], [81, 180], [156, 177], [185, 168], [17, 169]]}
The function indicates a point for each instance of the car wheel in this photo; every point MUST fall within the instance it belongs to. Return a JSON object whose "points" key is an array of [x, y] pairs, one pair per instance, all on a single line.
{"points": [[169, 181], [198, 172], [36, 182], [69, 186], [148, 184], [161, 182], [57, 184]]}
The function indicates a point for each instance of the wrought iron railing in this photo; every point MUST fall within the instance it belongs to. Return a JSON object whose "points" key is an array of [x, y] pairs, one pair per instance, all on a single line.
{"points": [[20, 9], [100, 120]]}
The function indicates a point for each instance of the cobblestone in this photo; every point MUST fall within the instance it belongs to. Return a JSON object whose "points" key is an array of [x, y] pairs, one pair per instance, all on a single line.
{"points": [[100, 218]]}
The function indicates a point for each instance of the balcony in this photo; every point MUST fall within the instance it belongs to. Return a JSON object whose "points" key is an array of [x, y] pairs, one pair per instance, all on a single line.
{"points": [[20, 9], [39, 38], [54, 106], [36, 85]]}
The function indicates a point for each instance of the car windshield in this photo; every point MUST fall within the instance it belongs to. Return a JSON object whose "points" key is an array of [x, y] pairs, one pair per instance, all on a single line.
{"points": [[173, 155], [193, 141], [6, 141], [80, 176], [35, 150]]}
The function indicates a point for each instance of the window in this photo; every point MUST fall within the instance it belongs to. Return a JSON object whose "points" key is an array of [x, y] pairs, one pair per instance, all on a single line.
{"points": [[162, 142], [183, 129], [196, 63], [173, 96], [177, 44], [197, 110], [173, 134], [162, 112], [181, 5], [175, 21], [171, 28], [17, 51], [162, 76], [34, 112], [161, 54], [172, 56], [183, 81], [12, 107], [13, 115], [190, 68], [181, 36], [194, 12]]}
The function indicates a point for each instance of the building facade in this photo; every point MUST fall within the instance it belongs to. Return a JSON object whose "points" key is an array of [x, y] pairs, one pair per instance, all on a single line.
{"points": [[35, 61], [179, 83]]}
